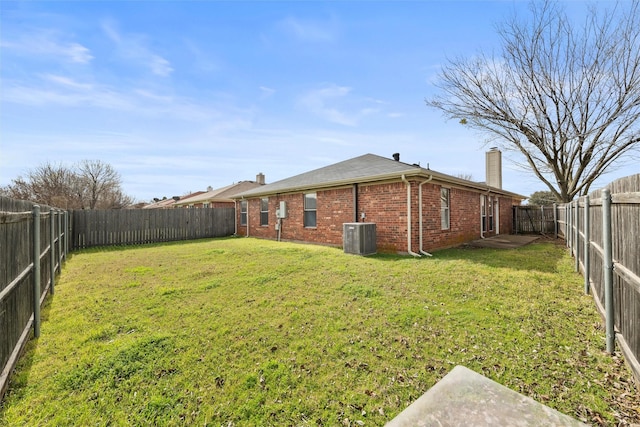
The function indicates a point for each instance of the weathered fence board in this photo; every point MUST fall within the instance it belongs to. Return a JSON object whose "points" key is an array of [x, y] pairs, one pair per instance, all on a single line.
{"points": [[534, 219], [624, 216], [30, 257], [140, 226]]}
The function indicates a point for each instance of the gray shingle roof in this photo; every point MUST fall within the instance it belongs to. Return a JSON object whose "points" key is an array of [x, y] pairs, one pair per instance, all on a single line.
{"points": [[365, 168], [358, 169]]}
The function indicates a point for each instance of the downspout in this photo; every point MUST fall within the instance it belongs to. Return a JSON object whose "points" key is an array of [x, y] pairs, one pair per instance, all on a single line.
{"points": [[420, 212], [409, 218], [355, 202]]}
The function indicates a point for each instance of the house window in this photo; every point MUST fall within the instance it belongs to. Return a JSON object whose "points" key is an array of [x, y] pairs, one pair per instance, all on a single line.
{"points": [[243, 212], [445, 214], [310, 210], [490, 213], [483, 212], [264, 211], [206, 205]]}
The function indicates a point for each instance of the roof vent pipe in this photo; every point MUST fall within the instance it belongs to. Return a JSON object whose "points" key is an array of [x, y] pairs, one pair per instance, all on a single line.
{"points": [[396, 157]]}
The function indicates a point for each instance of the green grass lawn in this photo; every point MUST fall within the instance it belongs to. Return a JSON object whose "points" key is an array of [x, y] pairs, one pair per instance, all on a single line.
{"points": [[245, 332]]}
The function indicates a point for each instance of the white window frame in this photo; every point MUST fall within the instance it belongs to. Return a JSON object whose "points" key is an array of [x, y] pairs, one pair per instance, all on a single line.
{"points": [[445, 208], [264, 212], [244, 212], [309, 210]]}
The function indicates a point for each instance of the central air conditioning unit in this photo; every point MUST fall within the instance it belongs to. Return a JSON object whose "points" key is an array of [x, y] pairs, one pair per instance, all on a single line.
{"points": [[359, 238]]}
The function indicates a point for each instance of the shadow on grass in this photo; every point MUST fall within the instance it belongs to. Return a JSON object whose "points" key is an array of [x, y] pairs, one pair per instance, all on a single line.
{"points": [[19, 378], [540, 256], [120, 248]]}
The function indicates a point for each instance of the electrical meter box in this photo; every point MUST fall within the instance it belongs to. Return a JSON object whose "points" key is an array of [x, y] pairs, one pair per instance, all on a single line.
{"points": [[281, 211]]}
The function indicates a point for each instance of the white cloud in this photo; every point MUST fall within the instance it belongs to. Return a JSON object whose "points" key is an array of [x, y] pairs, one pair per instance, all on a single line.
{"points": [[67, 82], [309, 31], [337, 105], [133, 47], [48, 43], [266, 92], [319, 102]]}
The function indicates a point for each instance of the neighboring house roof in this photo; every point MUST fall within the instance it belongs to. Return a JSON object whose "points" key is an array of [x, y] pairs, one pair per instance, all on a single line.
{"points": [[362, 169], [224, 194], [167, 203], [160, 204]]}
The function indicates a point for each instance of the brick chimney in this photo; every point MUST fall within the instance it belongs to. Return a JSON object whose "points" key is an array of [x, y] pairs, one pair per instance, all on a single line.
{"points": [[260, 178], [494, 168]]}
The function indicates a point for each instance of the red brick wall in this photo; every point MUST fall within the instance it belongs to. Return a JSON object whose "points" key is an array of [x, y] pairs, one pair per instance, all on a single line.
{"points": [[386, 205]]}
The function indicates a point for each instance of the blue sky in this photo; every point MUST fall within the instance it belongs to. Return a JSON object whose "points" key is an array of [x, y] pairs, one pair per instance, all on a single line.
{"points": [[178, 96]]}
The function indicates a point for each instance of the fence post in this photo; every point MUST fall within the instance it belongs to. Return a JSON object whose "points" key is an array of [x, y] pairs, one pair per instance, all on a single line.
{"points": [[52, 249], [36, 271], [60, 231], [608, 269], [569, 224], [587, 244], [66, 234], [555, 221], [576, 241]]}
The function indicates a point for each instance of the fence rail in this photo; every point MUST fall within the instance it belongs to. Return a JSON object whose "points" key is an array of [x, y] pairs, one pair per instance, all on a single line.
{"points": [[139, 226], [33, 245], [604, 237], [534, 219]]}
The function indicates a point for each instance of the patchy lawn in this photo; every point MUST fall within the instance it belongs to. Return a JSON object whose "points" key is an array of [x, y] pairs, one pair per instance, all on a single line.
{"points": [[250, 332]]}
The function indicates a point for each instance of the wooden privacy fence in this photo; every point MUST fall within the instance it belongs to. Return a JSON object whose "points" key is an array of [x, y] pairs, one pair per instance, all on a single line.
{"points": [[139, 226], [33, 244], [602, 231], [534, 219]]}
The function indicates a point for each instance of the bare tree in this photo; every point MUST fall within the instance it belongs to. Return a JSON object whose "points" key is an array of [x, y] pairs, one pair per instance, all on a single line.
{"points": [[49, 184], [92, 184], [97, 180], [465, 176], [567, 98]]}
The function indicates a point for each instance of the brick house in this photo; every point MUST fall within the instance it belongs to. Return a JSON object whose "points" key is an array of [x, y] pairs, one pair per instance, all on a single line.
{"points": [[415, 210]]}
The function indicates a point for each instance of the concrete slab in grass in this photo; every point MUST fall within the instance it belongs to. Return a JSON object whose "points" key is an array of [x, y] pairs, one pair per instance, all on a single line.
{"points": [[465, 398]]}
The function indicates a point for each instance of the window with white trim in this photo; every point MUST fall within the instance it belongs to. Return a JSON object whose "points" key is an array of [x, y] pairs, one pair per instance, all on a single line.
{"points": [[490, 213], [310, 203], [264, 211], [445, 211], [243, 212], [483, 212]]}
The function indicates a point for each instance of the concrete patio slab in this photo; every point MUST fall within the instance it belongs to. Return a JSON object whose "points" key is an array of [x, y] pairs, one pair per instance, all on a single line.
{"points": [[504, 241], [465, 398]]}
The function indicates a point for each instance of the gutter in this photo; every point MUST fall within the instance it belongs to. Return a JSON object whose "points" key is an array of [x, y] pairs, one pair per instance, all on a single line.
{"points": [[409, 218], [414, 172]]}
